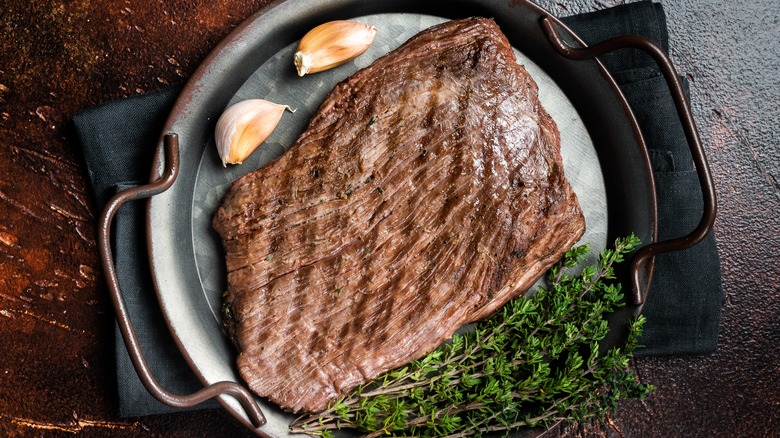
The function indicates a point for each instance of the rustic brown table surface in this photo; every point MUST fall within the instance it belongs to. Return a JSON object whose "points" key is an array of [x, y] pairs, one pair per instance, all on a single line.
{"points": [[56, 324]]}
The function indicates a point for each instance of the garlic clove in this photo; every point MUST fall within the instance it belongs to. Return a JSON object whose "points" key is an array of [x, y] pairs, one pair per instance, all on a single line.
{"points": [[332, 44], [244, 126]]}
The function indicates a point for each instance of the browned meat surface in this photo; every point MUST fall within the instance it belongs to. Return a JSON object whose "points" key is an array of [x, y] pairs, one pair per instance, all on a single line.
{"points": [[427, 191]]}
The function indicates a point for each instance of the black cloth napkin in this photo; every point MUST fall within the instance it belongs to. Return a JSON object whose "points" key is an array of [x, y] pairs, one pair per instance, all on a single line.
{"points": [[683, 312], [118, 140], [686, 296]]}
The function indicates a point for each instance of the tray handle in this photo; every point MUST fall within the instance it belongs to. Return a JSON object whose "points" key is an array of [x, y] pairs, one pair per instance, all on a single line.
{"points": [[661, 58], [171, 144]]}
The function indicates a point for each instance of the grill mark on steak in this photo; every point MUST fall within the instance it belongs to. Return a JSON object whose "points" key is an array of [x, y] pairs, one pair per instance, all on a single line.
{"points": [[426, 192], [395, 279]]}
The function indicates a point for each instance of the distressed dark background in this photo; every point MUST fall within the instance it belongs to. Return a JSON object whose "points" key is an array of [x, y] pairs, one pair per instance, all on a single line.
{"points": [[56, 325]]}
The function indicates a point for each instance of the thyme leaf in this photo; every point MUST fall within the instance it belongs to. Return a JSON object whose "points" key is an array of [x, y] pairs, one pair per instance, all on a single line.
{"points": [[534, 362]]}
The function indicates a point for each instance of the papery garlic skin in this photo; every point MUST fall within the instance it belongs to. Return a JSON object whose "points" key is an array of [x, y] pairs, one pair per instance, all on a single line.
{"points": [[332, 44], [244, 126]]}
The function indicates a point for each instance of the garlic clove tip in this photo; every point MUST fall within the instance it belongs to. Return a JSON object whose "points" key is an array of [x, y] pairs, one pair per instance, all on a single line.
{"points": [[302, 63]]}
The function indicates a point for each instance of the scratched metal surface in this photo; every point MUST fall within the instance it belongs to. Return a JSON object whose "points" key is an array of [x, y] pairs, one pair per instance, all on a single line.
{"points": [[56, 326]]}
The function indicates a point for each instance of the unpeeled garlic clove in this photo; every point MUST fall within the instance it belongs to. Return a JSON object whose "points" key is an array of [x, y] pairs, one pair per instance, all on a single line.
{"points": [[244, 126], [332, 44]]}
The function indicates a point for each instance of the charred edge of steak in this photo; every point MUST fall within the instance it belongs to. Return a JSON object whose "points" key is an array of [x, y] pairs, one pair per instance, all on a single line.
{"points": [[228, 319]]}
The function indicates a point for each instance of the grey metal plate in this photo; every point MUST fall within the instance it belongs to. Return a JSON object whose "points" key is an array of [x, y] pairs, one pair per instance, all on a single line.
{"points": [[256, 62]]}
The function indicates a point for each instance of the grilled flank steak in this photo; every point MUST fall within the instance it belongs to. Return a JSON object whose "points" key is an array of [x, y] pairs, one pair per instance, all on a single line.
{"points": [[427, 190]]}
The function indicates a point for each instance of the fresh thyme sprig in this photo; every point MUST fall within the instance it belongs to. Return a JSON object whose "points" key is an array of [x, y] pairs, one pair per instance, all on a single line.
{"points": [[533, 363]]}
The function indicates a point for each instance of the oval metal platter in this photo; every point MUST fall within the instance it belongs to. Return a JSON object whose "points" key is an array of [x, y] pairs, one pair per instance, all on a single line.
{"points": [[604, 155]]}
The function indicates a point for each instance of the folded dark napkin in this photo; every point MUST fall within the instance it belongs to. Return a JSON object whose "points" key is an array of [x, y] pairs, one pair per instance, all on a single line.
{"points": [[683, 311], [118, 140], [686, 296]]}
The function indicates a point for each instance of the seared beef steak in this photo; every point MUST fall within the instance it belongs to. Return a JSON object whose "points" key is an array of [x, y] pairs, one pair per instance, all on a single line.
{"points": [[427, 191]]}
